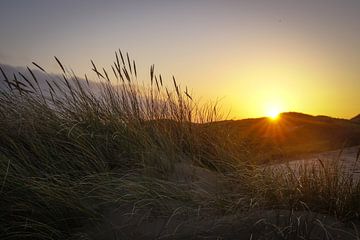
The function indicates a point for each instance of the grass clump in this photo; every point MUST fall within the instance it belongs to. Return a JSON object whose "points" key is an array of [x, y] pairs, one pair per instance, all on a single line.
{"points": [[322, 186], [121, 156]]}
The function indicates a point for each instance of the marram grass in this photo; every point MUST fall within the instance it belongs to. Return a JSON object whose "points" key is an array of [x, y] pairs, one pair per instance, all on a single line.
{"points": [[78, 157]]}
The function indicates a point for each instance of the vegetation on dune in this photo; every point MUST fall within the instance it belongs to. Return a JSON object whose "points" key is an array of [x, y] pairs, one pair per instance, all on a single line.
{"points": [[75, 160]]}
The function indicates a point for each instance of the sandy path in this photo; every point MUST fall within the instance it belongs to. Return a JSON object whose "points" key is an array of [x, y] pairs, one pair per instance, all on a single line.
{"points": [[348, 158]]}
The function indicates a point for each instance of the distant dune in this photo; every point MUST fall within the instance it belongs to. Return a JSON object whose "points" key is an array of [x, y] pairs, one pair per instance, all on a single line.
{"points": [[356, 119], [293, 134]]}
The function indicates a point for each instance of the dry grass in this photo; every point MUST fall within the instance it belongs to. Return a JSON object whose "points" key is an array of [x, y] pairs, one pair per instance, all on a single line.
{"points": [[78, 159]]}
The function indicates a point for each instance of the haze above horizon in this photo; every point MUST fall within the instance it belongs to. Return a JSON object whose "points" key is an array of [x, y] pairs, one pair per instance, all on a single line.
{"points": [[259, 57]]}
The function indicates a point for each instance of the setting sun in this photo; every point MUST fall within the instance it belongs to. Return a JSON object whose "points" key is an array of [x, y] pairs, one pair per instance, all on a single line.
{"points": [[273, 113]]}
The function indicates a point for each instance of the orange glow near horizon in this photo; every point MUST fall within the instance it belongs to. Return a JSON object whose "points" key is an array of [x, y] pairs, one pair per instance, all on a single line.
{"points": [[274, 115], [273, 112]]}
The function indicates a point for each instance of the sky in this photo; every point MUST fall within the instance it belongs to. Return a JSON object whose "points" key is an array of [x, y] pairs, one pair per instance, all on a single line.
{"points": [[254, 56]]}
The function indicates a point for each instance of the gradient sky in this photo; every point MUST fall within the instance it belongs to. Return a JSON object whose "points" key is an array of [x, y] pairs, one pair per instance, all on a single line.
{"points": [[297, 55]]}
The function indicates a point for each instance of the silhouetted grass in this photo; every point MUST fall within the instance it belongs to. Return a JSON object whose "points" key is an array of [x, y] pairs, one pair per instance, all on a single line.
{"points": [[77, 157]]}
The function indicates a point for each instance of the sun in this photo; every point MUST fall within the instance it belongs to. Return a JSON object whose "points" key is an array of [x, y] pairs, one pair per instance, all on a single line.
{"points": [[273, 113]]}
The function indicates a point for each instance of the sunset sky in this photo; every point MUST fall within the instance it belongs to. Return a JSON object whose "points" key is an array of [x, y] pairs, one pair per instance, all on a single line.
{"points": [[254, 55]]}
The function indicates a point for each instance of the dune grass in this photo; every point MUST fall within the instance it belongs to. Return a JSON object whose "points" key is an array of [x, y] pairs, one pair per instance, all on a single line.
{"points": [[75, 152]]}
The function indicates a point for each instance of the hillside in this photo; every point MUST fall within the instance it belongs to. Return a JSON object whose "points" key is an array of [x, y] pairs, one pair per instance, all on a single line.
{"points": [[356, 119], [292, 134]]}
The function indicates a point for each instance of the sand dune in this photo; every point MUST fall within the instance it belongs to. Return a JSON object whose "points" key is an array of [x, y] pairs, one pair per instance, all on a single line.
{"points": [[347, 159]]}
